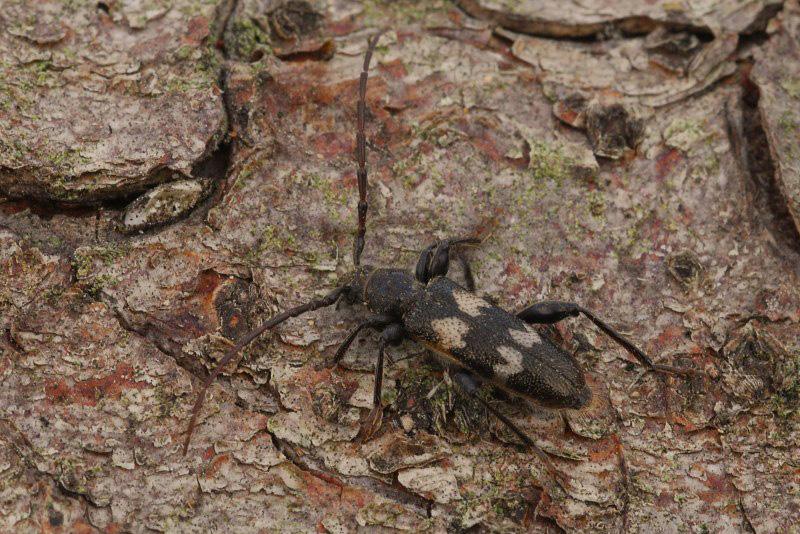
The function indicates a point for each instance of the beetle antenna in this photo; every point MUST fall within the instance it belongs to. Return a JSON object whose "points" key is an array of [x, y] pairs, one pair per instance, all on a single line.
{"points": [[248, 338], [361, 150]]}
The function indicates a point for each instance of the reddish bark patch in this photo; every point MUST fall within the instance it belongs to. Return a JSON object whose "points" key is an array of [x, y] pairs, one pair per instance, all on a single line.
{"points": [[206, 289], [665, 500], [512, 268], [669, 337], [346, 92], [321, 491], [160, 42], [207, 282], [277, 97], [184, 325], [314, 377], [197, 31], [341, 27], [215, 465], [79, 527], [720, 489], [666, 162], [482, 139], [396, 69], [603, 451], [349, 180], [326, 95], [88, 392], [331, 145], [354, 497], [216, 301], [242, 92]]}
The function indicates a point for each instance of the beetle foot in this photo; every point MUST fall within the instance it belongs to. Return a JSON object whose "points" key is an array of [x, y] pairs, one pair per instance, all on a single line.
{"points": [[371, 425]]}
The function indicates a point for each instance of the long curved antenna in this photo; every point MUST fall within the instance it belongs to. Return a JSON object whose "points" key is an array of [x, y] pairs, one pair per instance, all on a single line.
{"points": [[361, 150], [248, 338]]}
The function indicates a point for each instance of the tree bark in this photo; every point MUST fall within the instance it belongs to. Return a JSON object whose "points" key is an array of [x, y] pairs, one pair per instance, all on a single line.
{"points": [[640, 160]]}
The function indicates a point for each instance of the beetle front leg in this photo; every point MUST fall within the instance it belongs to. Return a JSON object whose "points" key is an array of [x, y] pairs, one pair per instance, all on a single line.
{"points": [[469, 278], [328, 300], [435, 260], [552, 311]]}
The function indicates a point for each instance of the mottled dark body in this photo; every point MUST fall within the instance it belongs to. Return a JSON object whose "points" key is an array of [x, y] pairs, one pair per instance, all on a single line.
{"points": [[472, 333]]}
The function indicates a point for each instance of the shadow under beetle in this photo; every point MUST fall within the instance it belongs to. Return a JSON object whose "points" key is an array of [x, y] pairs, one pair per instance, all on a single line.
{"points": [[478, 341]]}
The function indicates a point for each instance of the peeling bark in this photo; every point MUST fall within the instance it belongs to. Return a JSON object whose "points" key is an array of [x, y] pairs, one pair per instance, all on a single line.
{"points": [[597, 18]]}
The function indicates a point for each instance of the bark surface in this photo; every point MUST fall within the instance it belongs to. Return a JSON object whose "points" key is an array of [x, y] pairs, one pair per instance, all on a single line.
{"points": [[638, 158]]}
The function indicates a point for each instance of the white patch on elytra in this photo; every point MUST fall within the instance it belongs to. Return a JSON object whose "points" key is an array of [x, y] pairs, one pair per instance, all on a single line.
{"points": [[450, 332], [469, 303], [527, 338], [512, 363]]}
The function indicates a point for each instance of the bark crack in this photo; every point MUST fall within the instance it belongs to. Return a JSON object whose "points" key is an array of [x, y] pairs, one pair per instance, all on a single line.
{"points": [[751, 145], [26, 451], [298, 459]]}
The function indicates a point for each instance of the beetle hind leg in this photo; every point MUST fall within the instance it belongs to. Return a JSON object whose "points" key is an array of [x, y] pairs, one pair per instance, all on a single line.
{"points": [[470, 385], [469, 277], [552, 311]]}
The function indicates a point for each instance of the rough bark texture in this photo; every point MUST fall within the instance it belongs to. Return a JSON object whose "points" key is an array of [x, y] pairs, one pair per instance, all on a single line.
{"points": [[102, 102], [644, 165]]}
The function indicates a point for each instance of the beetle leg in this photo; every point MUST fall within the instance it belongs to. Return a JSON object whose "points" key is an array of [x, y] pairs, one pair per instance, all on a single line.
{"points": [[469, 384], [552, 311], [421, 272], [469, 278], [391, 335], [549, 311], [373, 322], [435, 259]]}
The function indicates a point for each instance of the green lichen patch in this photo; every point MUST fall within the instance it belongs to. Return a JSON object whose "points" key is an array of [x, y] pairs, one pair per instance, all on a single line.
{"points": [[86, 260], [550, 161], [437, 405], [791, 86], [683, 134], [786, 402], [93, 289], [788, 122], [91, 265], [401, 12], [245, 38]]}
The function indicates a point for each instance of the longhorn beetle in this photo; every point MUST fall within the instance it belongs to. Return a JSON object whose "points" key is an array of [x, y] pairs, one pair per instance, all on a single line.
{"points": [[478, 341]]}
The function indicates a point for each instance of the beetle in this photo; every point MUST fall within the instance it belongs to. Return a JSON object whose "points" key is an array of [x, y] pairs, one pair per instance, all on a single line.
{"points": [[478, 341]]}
